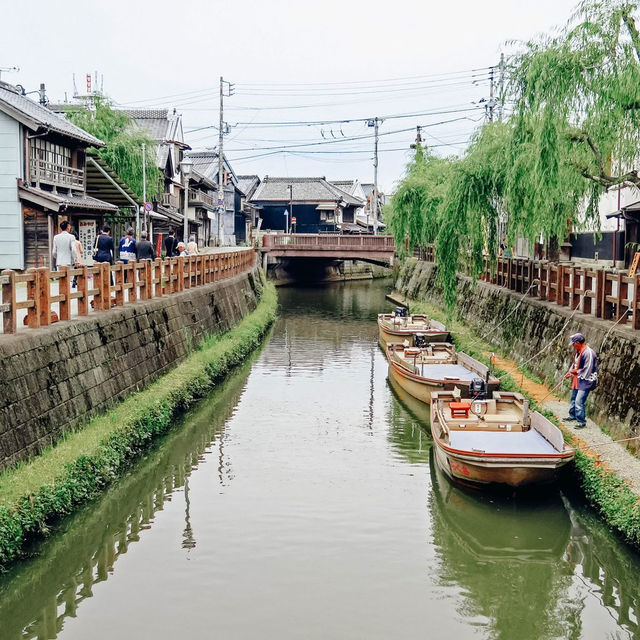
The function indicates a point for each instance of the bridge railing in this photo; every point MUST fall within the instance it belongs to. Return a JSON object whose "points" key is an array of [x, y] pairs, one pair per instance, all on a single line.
{"points": [[312, 240], [48, 296], [598, 292]]}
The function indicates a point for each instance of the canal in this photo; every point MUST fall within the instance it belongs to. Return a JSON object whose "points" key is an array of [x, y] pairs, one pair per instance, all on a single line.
{"points": [[301, 500]]}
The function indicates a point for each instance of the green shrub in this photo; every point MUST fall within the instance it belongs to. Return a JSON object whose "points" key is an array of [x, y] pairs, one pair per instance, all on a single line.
{"points": [[35, 495]]}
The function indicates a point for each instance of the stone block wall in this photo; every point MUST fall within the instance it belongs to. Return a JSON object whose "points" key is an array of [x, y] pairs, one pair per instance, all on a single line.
{"points": [[524, 327], [54, 379]]}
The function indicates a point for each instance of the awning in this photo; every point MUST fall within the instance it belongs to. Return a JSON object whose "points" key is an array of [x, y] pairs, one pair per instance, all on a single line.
{"points": [[327, 206], [105, 184], [157, 216], [60, 203]]}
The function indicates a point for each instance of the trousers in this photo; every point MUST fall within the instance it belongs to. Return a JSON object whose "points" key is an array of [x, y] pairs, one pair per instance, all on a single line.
{"points": [[578, 408]]}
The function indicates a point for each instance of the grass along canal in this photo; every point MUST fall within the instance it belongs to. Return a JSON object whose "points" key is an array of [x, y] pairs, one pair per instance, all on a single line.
{"points": [[300, 499]]}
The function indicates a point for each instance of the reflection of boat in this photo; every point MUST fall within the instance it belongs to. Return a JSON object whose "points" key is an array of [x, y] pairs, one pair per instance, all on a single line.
{"points": [[395, 328], [496, 440], [492, 527], [436, 367], [415, 407]]}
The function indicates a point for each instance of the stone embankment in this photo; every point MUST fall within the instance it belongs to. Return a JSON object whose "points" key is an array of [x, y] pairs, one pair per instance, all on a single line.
{"points": [[57, 378], [536, 332]]}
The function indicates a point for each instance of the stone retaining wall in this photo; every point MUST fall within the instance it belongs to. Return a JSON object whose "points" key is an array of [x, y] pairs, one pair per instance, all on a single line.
{"points": [[532, 327], [56, 378]]}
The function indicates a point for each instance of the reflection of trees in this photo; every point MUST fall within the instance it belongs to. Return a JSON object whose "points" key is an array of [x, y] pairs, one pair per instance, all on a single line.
{"points": [[37, 596], [506, 555], [606, 567]]}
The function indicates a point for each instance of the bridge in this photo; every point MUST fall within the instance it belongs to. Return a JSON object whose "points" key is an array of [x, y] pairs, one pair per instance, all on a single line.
{"points": [[369, 248]]}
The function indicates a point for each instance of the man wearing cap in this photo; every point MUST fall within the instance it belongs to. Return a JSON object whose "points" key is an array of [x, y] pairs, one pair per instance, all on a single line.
{"points": [[584, 378]]}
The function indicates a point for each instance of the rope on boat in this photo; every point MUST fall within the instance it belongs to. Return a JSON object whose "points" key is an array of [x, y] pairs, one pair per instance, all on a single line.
{"points": [[607, 444]]}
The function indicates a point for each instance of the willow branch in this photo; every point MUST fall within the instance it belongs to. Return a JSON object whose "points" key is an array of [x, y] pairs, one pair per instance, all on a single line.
{"points": [[583, 136], [630, 23]]}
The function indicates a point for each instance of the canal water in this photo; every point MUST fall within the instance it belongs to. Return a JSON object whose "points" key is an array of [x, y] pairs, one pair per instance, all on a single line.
{"points": [[301, 500]]}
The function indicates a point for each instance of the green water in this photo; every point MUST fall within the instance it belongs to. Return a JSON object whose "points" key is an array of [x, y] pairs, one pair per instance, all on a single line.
{"points": [[300, 500]]}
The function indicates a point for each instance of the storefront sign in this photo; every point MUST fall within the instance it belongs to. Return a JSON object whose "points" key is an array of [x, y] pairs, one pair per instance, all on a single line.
{"points": [[87, 230], [634, 265]]}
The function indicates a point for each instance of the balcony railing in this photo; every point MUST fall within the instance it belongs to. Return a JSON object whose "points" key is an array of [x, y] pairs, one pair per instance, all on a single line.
{"points": [[55, 174], [170, 201], [196, 196]]}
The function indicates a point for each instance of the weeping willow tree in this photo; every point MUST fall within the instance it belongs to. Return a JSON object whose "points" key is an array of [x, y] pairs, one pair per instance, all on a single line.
{"points": [[468, 221], [415, 207], [574, 133], [123, 150]]}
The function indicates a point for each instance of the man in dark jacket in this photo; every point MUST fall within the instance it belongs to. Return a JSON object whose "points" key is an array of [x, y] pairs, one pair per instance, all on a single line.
{"points": [[171, 244], [144, 248]]}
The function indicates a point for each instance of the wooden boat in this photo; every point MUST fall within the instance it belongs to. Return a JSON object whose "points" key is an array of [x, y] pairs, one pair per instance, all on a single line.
{"points": [[437, 367], [396, 329], [496, 440]]}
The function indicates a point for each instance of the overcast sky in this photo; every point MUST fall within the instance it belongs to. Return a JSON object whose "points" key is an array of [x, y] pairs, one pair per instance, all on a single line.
{"points": [[291, 62]]}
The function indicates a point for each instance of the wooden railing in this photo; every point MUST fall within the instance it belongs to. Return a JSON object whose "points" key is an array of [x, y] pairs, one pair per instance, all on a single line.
{"points": [[600, 293], [311, 240], [170, 200], [55, 174], [197, 195], [104, 286]]}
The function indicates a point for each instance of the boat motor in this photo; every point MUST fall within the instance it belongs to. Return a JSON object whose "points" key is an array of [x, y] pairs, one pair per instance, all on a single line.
{"points": [[420, 340], [477, 389], [401, 312]]}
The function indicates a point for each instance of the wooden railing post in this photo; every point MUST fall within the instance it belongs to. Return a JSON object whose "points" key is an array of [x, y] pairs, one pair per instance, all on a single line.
{"points": [[44, 293], [157, 269], [180, 274], [105, 282], [33, 286], [119, 281], [64, 289], [133, 292], [83, 290], [10, 313], [168, 278], [148, 280]]}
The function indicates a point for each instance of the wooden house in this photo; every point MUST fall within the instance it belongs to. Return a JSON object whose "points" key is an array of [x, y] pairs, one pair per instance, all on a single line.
{"points": [[303, 205], [42, 181]]}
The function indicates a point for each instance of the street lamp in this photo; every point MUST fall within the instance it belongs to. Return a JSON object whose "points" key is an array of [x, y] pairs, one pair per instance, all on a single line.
{"points": [[185, 168]]}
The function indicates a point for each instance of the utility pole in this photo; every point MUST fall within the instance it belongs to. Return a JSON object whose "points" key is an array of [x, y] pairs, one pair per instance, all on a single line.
{"points": [[42, 93], [290, 207], [501, 89], [221, 132], [375, 122], [144, 190], [491, 94]]}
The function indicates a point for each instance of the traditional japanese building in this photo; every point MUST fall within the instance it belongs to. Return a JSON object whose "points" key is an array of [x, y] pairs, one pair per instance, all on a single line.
{"points": [[42, 181]]}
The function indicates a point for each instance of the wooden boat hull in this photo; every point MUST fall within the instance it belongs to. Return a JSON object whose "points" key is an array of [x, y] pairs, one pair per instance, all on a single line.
{"points": [[393, 336], [419, 389], [515, 472], [520, 463]]}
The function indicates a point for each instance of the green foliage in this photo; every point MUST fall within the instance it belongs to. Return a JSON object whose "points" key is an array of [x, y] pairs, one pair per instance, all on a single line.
{"points": [[414, 209], [60, 488], [574, 132], [123, 150]]}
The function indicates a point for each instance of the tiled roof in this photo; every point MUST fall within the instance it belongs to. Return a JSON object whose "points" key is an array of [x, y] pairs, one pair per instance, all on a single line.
{"points": [[248, 184], [315, 189], [205, 164], [345, 185], [58, 202], [37, 116], [154, 122]]}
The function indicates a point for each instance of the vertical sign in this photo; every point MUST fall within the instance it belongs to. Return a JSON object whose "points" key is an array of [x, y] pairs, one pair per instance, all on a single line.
{"points": [[87, 233]]}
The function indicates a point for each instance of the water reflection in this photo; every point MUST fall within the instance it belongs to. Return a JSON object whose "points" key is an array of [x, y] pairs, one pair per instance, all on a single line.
{"points": [[38, 595], [306, 503]]}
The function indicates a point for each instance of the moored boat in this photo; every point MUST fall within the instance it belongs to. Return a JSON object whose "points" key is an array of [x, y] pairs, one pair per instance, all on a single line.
{"points": [[436, 367], [496, 440], [398, 327]]}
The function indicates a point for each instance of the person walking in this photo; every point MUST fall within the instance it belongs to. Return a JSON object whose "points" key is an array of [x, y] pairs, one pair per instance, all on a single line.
{"points": [[192, 246], [64, 248], [171, 244], [79, 256], [104, 246], [144, 248], [584, 378], [127, 247]]}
